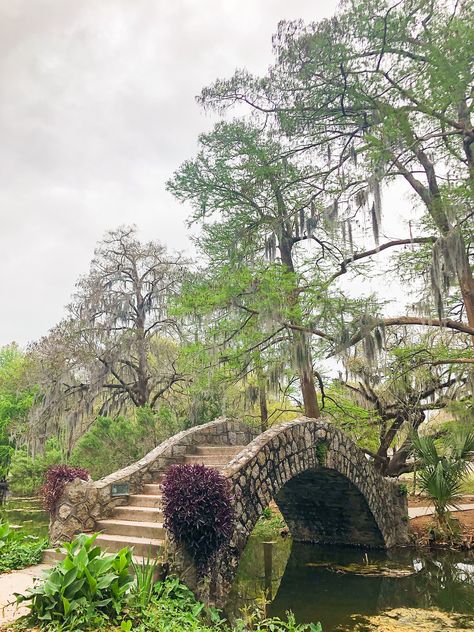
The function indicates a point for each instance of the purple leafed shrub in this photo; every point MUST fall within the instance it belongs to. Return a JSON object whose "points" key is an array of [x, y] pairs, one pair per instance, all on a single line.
{"points": [[55, 480], [197, 506]]}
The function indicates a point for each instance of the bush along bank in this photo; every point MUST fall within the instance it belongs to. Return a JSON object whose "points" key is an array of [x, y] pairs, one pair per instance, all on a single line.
{"points": [[18, 550], [90, 589]]}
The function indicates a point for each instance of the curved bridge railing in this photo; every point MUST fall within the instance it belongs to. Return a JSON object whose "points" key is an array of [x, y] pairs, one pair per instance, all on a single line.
{"points": [[83, 503], [326, 489]]}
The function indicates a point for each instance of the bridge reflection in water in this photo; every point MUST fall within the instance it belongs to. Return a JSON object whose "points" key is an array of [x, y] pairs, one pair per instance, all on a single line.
{"points": [[321, 583]]}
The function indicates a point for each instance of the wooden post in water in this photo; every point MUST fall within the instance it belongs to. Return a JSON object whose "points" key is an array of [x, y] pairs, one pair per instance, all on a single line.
{"points": [[268, 566]]}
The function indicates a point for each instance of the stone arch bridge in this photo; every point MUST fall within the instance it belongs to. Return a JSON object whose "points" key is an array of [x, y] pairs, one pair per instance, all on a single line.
{"points": [[323, 484]]}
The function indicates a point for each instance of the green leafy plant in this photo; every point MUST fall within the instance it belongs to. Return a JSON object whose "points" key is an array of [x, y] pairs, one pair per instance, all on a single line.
{"points": [[18, 550], [86, 587], [6, 533], [254, 619], [16, 399], [270, 525], [321, 450], [145, 575], [27, 473], [172, 607], [403, 489], [444, 466]]}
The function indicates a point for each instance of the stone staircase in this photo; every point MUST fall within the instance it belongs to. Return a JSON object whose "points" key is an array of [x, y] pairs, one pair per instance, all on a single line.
{"points": [[139, 524]]}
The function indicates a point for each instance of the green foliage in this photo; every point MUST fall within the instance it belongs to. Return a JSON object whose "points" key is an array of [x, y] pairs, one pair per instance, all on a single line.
{"points": [[253, 621], [113, 443], [444, 466], [90, 590], [16, 399], [395, 81], [345, 412], [144, 584], [18, 550], [27, 473], [6, 534], [173, 608], [403, 489], [269, 526], [86, 588], [321, 450]]}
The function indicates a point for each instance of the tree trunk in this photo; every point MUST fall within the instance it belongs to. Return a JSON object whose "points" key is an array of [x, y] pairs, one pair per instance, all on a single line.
{"points": [[262, 395], [310, 400], [466, 284], [398, 463], [302, 347], [262, 398], [142, 388]]}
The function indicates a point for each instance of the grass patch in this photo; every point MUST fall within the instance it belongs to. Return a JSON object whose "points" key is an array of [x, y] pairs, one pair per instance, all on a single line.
{"points": [[19, 555], [18, 550], [269, 525]]}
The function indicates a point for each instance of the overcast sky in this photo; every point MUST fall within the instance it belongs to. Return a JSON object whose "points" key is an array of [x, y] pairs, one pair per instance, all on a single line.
{"points": [[96, 111]]}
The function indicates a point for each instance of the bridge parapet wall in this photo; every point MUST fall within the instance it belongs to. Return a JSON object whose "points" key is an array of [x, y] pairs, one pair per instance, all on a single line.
{"points": [[324, 485], [85, 502]]}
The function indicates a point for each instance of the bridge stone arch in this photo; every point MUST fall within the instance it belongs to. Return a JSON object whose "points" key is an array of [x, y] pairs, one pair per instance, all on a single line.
{"points": [[325, 487]]}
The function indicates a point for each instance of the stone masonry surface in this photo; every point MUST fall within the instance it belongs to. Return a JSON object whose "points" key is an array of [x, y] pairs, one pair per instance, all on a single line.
{"points": [[83, 503], [326, 489]]}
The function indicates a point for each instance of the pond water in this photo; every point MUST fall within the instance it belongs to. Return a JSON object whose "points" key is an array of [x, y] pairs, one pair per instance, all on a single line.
{"points": [[26, 513], [338, 586], [341, 586]]}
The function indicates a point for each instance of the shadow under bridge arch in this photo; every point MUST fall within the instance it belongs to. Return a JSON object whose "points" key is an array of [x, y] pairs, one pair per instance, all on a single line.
{"points": [[326, 489]]}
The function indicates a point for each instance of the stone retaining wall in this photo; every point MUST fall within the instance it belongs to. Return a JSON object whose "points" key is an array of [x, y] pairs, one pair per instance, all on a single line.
{"points": [[85, 502]]}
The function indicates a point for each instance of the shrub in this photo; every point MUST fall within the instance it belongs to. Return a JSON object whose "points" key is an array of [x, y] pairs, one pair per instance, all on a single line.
{"points": [[56, 478], [86, 588], [444, 466], [197, 506], [172, 607], [113, 443], [27, 473], [6, 533], [18, 550]]}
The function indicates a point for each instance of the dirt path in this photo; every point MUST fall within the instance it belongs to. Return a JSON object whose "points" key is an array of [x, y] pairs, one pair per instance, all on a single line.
{"points": [[416, 512], [16, 582]]}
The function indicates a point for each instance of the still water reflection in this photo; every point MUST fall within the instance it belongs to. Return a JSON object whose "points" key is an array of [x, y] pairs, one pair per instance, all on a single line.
{"points": [[328, 584], [26, 513]]}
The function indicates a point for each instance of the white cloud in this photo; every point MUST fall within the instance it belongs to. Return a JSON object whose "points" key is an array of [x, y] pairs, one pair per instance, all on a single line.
{"points": [[96, 111]]}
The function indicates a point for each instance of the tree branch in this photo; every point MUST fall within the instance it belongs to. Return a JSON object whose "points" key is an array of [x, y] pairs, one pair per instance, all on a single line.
{"points": [[368, 253]]}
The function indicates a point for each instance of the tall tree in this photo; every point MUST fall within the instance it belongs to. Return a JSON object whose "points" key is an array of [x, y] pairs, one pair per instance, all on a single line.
{"points": [[17, 396], [118, 345], [416, 376], [380, 92], [256, 208]]}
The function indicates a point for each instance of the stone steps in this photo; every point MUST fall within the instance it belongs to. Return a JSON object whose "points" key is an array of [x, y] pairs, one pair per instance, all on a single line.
{"points": [[139, 513], [212, 450], [210, 461], [145, 500], [112, 526], [145, 547], [139, 524], [154, 489]]}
